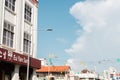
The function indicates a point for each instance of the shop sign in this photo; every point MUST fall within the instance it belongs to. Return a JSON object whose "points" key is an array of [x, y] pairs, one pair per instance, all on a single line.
{"points": [[20, 59], [17, 58], [9, 56]]}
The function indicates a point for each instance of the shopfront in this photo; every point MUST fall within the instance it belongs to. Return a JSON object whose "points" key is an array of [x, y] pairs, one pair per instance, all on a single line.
{"points": [[6, 70], [13, 66]]}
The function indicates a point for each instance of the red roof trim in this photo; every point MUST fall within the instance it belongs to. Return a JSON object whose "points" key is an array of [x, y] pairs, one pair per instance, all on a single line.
{"points": [[53, 69]]}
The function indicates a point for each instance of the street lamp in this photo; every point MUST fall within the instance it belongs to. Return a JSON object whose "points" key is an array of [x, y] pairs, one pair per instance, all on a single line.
{"points": [[28, 63], [49, 29]]}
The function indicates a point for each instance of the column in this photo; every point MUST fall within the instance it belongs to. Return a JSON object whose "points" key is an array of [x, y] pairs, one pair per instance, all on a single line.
{"points": [[34, 75], [15, 74], [2, 8]]}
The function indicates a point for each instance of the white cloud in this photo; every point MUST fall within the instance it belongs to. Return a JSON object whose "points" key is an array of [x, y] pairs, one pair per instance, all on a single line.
{"points": [[100, 20], [62, 40]]}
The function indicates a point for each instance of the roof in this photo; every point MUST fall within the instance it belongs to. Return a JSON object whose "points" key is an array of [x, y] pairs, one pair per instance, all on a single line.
{"points": [[53, 69], [85, 71]]}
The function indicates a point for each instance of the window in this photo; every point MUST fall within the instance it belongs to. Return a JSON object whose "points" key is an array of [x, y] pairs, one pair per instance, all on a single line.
{"points": [[10, 4], [27, 13], [27, 43], [8, 34]]}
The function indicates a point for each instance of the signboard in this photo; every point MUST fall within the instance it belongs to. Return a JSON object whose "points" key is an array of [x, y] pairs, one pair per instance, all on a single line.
{"points": [[17, 58], [9, 56]]}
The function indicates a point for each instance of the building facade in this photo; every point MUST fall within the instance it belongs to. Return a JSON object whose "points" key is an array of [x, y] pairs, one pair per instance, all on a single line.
{"points": [[111, 74], [18, 39], [86, 74], [53, 73], [73, 76]]}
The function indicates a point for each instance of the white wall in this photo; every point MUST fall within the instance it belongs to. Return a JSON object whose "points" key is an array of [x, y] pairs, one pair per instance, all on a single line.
{"points": [[17, 19]]}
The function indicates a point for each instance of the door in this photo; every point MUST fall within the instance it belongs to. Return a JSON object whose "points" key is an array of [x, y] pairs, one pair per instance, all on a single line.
{"points": [[1, 75]]}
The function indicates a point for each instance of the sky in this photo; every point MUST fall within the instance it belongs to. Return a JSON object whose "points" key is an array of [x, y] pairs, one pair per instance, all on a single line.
{"points": [[86, 33]]}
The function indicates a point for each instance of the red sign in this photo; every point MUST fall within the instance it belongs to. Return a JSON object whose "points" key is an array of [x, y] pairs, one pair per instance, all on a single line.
{"points": [[35, 63], [9, 56], [17, 58], [5, 55]]}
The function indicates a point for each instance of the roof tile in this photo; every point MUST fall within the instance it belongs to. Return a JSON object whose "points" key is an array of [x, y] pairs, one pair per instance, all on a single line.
{"points": [[53, 69]]}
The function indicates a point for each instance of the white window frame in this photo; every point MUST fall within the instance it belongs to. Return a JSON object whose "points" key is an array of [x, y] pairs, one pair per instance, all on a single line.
{"points": [[10, 4], [8, 34], [28, 13], [27, 43]]}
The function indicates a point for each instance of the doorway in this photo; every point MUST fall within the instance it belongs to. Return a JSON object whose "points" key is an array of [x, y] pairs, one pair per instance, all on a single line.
{"points": [[1, 75]]}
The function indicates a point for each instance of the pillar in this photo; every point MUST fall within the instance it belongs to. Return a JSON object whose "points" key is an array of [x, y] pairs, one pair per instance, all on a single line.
{"points": [[34, 75], [15, 74]]}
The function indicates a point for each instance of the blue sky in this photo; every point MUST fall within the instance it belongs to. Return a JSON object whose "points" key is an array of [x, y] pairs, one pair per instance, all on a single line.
{"points": [[55, 14], [83, 32]]}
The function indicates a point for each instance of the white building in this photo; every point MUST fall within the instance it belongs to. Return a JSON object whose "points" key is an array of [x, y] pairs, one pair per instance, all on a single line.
{"points": [[86, 74], [18, 39], [73, 76], [43, 62], [111, 74]]}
